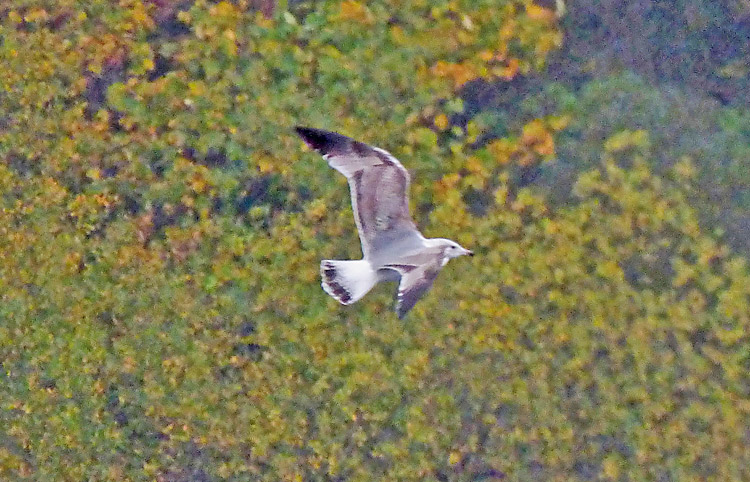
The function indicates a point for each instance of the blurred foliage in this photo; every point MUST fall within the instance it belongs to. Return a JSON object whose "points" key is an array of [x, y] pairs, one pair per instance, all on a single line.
{"points": [[698, 44], [664, 127], [161, 229]]}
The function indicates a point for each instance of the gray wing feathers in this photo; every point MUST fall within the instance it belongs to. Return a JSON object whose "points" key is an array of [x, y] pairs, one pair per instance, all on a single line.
{"points": [[414, 284], [418, 271], [378, 183]]}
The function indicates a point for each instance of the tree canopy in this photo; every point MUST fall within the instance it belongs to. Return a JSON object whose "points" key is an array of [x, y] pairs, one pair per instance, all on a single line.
{"points": [[161, 228]]}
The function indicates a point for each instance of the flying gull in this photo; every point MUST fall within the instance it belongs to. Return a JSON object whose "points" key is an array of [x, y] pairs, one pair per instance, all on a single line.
{"points": [[393, 249]]}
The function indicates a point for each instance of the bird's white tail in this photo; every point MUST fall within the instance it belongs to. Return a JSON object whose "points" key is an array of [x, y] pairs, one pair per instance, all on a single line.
{"points": [[347, 281]]}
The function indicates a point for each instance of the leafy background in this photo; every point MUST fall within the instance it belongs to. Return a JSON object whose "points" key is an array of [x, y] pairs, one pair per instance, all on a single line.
{"points": [[161, 228]]}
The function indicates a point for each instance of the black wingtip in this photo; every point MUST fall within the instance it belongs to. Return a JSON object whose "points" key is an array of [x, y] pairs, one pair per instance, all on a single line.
{"points": [[315, 138], [321, 140], [304, 132]]}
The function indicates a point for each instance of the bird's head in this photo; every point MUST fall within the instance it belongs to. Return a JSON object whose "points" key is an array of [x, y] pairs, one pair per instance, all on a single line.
{"points": [[451, 249]]}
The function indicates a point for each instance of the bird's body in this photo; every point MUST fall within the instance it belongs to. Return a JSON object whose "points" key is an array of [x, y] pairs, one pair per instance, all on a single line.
{"points": [[393, 249]]}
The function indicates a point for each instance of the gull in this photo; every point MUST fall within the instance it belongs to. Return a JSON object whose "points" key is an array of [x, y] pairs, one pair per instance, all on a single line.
{"points": [[393, 249]]}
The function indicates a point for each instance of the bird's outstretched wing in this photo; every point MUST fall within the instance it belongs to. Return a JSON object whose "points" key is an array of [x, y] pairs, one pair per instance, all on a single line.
{"points": [[378, 183], [416, 280]]}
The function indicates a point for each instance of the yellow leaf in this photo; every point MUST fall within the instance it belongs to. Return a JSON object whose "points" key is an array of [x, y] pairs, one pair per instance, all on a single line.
{"points": [[355, 11], [95, 68], [197, 88], [184, 16], [441, 122], [454, 458], [537, 136], [141, 17], [626, 139], [93, 173], [36, 14], [198, 184], [474, 165], [503, 150], [224, 9], [459, 73], [486, 55], [685, 168], [509, 71], [558, 123], [316, 210], [535, 12], [611, 468]]}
